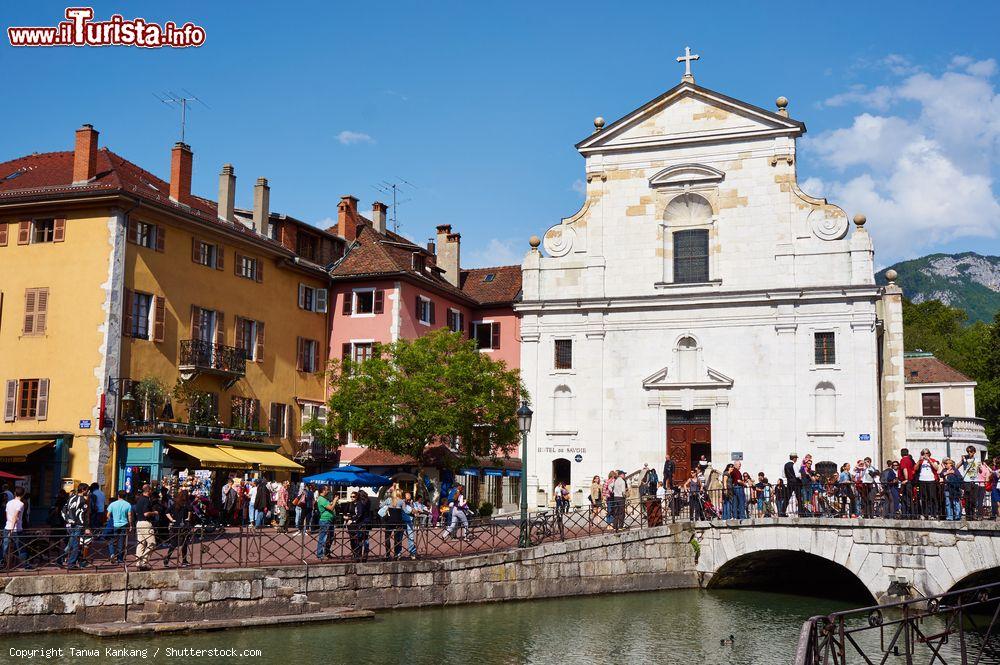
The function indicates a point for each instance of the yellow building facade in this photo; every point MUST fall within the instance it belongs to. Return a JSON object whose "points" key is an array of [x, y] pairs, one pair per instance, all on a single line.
{"points": [[146, 332]]}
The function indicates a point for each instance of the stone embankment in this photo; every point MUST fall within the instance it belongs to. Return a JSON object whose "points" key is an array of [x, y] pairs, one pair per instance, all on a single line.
{"points": [[650, 559]]}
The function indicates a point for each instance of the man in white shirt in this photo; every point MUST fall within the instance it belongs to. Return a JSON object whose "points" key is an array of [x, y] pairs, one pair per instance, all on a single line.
{"points": [[13, 526]]}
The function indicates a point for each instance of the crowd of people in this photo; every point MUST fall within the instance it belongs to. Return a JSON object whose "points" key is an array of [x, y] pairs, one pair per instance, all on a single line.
{"points": [[911, 487], [163, 517]]}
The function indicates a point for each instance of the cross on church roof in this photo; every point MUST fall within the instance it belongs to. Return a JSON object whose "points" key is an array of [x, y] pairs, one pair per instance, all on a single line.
{"points": [[686, 59]]}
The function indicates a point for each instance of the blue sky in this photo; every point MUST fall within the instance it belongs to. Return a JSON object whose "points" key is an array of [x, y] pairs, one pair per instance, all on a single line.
{"points": [[479, 104]]}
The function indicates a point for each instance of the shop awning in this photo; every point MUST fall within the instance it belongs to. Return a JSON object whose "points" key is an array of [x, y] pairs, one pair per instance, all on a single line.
{"points": [[267, 459], [18, 450], [209, 455]]}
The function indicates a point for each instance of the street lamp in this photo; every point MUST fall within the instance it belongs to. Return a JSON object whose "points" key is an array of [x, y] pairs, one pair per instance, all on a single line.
{"points": [[947, 423], [524, 426]]}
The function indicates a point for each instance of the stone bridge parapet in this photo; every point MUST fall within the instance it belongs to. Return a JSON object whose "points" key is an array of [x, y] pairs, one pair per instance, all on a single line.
{"points": [[928, 557]]}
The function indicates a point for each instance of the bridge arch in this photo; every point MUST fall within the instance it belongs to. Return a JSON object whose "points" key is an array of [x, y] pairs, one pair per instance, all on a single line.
{"points": [[790, 571]]}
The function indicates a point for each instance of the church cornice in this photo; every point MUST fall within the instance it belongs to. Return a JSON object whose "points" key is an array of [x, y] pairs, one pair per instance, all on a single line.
{"points": [[712, 299]]}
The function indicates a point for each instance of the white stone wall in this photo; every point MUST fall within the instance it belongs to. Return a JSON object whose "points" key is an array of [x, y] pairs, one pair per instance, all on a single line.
{"points": [[782, 266]]}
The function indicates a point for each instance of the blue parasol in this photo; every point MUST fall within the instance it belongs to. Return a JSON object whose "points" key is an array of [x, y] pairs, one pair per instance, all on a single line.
{"points": [[351, 476]]}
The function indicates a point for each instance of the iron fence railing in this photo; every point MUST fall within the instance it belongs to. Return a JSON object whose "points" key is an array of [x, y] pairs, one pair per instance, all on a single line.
{"points": [[955, 627], [207, 544]]}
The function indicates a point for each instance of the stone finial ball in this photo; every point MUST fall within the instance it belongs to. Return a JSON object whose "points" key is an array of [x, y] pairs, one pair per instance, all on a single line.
{"points": [[859, 220], [534, 241], [598, 123], [782, 102], [891, 275]]}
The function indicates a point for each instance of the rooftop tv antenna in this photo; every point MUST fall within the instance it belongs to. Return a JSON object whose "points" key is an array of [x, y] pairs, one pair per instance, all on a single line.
{"points": [[394, 189], [182, 102]]}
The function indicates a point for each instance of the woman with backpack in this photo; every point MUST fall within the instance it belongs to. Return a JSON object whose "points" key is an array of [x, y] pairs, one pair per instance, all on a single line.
{"points": [[458, 507]]}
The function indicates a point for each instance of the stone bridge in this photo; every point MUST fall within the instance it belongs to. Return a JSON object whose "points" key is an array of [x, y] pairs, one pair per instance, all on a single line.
{"points": [[886, 557]]}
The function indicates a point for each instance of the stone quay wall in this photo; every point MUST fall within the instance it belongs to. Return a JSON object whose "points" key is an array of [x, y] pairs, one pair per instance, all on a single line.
{"points": [[642, 560]]}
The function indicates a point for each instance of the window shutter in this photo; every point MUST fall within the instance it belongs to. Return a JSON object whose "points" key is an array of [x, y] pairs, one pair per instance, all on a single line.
{"points": [[159, 317], [259, 272], [417, 310], [127, 302], [272, 421], [10, 401], [459, 321], [321, 296], [195, 322], [288, 426], [195, 255], [255, 413], [431, 306], [59, 229], [30, 300], [379, 306], [302, 296], [3, 234], [237, 263], [345, 351], [41, 310], [220, 257], [496, 335], [42, 411], [132, 232], [259, 353], [24, 232], [240, 331], [161, 238], [472, 330], [299, 354], [348, 303], [220, 328]]}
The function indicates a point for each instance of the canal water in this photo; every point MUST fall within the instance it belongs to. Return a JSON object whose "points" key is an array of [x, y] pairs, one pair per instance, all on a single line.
{"points": [[683, 626]]}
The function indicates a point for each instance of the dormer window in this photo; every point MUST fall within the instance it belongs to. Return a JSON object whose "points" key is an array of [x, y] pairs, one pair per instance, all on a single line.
{"points": [[419, 262]]}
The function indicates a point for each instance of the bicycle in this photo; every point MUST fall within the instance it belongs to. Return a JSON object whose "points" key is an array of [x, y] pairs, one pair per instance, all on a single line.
{"points": [[544, 525]]}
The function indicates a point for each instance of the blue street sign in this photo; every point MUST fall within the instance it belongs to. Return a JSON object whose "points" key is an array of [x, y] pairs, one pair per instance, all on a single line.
{"points": [[84, 424], [864, 437], [579, 458]]}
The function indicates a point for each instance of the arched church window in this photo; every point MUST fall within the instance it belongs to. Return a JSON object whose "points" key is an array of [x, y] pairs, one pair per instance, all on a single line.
{"points": [[562, 408], [687, 359], [688, 246], [826, 407]]}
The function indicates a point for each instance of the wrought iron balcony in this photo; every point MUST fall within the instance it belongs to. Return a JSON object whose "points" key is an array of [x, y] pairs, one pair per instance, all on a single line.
{"points": [[201, 357], [201, 431]]}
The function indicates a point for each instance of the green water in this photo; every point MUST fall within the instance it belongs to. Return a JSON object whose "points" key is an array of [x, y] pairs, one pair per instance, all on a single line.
{"points": [[683, 626]]}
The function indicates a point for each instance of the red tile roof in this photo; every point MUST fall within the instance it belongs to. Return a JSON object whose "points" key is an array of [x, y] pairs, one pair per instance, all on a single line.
{"points": [[50, 176], [374, 254], [372, 457], [928, 369], [503, 288]]}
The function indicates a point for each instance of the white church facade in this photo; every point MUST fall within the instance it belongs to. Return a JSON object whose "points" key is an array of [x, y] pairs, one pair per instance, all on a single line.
{"points": [[699, 303]]}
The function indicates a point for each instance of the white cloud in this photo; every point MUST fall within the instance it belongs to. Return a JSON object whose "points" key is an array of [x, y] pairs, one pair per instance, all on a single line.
{"points": [[580, 187], [924, 174], [347, 137], [496, 253], [877, 98]]}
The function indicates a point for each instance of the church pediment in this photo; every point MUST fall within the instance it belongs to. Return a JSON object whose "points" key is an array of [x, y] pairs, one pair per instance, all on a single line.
{"points": [[667, 379], [685, 114]]}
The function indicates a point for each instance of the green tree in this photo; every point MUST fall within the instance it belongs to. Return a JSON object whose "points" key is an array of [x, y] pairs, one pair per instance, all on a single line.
{"points": [[412, 391]]}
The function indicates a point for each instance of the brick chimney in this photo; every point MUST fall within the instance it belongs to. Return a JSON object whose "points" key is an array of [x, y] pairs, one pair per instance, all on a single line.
{"points": [[347, 218], [85, 155], [227, 193], [378, 216], [181, 159], [448, 253], [261, 206]]}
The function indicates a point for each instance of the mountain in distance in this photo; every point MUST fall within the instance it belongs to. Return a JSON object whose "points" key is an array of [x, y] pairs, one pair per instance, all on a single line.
{"points": [[968, 281]]}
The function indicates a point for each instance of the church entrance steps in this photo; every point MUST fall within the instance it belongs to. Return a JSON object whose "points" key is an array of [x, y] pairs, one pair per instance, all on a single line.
{"points": [[314, 615]]}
